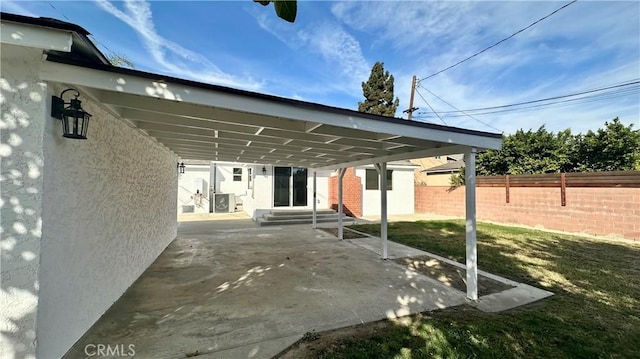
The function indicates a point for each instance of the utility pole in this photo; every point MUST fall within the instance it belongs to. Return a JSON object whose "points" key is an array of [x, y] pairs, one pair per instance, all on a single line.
{"points": [[410, 110]]}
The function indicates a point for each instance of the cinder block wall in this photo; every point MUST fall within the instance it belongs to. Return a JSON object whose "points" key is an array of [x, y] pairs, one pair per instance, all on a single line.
{"points": [[595, 211], [351, 193]]}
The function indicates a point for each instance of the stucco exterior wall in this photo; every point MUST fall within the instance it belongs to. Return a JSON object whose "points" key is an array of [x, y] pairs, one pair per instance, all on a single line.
{"points": [[194, 177], [438, 179], [22, 105], [109, 210], [226, 184], [400, 200], [259, 200]]}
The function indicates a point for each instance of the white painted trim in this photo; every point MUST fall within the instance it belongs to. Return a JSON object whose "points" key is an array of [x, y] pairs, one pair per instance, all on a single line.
{"points": [[315, 186], [382, 173], [135, 85], [471, 227], [341, 173], [35, 36], [400, 156]]}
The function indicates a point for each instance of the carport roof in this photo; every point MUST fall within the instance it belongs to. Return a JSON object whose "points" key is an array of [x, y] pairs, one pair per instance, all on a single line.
{"points": [[201, 121]]}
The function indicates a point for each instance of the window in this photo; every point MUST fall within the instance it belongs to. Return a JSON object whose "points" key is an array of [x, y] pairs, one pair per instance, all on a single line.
{"points": [[249, 178], [371, 180], [237, 174]]}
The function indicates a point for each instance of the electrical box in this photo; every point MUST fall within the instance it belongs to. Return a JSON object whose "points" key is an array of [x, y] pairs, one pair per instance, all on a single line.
{"points": [[200, 186]]}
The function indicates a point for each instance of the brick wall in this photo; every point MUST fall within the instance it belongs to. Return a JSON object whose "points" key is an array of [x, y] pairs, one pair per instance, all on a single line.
{"points": [[591, 210], [351, 193]]}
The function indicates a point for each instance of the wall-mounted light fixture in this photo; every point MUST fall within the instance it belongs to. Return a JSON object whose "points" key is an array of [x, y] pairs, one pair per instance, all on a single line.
{"points": [[75, 120], [180, 166], [264, 170]]}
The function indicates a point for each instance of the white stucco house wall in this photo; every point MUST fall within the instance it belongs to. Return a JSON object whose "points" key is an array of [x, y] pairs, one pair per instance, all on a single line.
{"points": [[400, 191], [76, 226], [257, 190]]}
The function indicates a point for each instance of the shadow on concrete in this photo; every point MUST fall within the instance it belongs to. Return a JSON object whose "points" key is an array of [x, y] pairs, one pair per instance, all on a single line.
{"points": [[250, 292], [594, 312]]}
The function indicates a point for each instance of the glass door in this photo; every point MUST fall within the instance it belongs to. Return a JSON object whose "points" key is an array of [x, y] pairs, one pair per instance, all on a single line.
{"points": [[281, 186], [289, 187], [299, 186]]}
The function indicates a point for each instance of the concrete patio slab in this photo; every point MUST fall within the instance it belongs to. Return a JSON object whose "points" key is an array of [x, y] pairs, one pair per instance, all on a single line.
{"points": [[521, 295], [225, 290]]}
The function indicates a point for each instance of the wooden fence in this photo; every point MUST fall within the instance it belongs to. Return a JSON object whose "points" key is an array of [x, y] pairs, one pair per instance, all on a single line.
{"points": [[620, 179]]}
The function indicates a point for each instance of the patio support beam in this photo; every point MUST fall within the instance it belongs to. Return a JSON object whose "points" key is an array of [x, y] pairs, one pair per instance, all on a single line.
{"points": [[341, 173], [315, 182], [470, 209], [382, 173]]}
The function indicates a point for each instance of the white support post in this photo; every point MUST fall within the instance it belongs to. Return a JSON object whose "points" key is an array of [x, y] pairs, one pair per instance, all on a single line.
{"points": [[382, 172], [315, 201], [341, 173], [470, 209]]}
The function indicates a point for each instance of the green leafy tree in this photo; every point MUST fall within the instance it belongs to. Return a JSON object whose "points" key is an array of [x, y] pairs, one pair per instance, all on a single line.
{"points": [[612, 148], [529, 152], [286, 10], [378, 93]]}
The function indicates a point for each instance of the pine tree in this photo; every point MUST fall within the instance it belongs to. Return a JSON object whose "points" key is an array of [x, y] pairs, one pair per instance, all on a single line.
{"points": [[378, 93]]}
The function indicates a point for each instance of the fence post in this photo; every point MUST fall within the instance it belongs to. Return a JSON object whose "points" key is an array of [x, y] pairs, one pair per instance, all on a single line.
{"points": [[506, 183], [563, 190]]}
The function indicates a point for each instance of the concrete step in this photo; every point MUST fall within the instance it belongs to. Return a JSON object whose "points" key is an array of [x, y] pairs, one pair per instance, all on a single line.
{"points": [[299, 212], [272, 217], [262, 222]]}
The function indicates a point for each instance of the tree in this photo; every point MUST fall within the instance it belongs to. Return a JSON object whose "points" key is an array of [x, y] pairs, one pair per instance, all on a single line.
{"points": [[286, 10], [613, 148], [529, 153], [378, 93]]}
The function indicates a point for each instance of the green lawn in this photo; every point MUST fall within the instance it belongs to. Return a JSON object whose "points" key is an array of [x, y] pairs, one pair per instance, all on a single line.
{"points": [[595, 312]]}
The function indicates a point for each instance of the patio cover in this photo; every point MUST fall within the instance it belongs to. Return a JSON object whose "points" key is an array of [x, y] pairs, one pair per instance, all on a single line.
{"points": [[208, 122]]}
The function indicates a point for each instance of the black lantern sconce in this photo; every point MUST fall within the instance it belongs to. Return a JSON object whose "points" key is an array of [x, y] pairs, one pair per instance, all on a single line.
{"points": [[264, 170], [75, 120], [180, 167]]}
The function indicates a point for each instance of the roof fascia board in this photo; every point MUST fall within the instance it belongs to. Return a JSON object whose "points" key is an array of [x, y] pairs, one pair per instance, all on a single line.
{"points": [[36, 36], [397, 157], [137, 85]]}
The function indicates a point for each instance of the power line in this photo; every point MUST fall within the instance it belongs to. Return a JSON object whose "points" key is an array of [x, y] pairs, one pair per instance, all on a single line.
{"points": [[561, 103], [59, 12], [441, 99], [427, 102], [499, 42], [599, 89]]}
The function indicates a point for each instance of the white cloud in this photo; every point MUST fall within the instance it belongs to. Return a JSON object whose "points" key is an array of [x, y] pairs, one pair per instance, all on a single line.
{"points": [[586, 45], [15, 8], [175, 59], [340, 51]]}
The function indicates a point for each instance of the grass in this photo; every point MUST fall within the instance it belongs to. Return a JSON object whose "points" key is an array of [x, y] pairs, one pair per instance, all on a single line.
{"points": [[595, 312]]}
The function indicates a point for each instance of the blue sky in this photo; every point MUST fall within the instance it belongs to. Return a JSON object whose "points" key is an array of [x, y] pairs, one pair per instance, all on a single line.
{"points": [[325, 55]]}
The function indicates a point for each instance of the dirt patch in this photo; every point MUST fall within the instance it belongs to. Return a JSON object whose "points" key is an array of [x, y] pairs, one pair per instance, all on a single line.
{"points": [[312, 345], [450, 275], [346, 233]]}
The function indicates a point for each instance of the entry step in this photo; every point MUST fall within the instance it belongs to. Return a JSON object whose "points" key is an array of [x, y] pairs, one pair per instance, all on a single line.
{"points": [[285, 217]]}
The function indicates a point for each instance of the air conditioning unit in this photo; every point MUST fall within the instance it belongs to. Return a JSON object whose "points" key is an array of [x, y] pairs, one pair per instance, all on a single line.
{"points": [[224, 203]]}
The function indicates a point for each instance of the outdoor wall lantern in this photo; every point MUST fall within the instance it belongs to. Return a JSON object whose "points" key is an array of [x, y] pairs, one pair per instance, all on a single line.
{"points": [[180, 167], [75, 120], [264, 170]]}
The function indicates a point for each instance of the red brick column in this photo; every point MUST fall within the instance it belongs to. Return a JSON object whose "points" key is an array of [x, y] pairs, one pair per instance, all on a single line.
{"points": [[351, 193]]}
